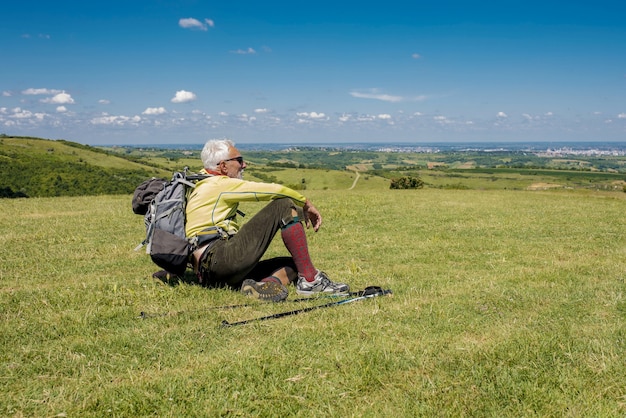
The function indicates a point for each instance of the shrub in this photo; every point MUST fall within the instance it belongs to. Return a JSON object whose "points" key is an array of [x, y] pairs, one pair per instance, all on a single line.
{"points": [[406, 183], [8, 192]]}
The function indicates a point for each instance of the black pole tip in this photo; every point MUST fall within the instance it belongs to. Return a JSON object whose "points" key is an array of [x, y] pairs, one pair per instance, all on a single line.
{"points": [[372, 290]]}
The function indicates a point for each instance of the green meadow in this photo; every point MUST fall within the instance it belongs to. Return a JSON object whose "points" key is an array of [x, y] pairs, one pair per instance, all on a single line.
{"points": [[505, 303]]}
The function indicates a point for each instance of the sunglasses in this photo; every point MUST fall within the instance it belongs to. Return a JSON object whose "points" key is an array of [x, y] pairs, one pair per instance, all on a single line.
{"points": [[238, 159]]}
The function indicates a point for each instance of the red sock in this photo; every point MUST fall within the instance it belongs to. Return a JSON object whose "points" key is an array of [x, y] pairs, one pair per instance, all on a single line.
{"points": [[294, 238], [272, 279]]}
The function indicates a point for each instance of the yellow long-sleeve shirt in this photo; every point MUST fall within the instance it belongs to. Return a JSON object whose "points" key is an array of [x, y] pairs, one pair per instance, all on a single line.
{"points": [[214, 202]]}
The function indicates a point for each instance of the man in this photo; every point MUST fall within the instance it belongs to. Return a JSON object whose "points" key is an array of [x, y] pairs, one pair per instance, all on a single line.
{"points": [[230, 254]]}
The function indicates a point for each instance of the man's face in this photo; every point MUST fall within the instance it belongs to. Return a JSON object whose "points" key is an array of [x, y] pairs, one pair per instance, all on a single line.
{"points": [[234, 165]]}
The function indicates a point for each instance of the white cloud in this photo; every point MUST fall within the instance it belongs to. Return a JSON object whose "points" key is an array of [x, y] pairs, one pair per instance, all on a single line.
{"points": [[6, 94], [312, 115], [191, 23], [61, 98], [442, 120], [23, 114], [154, 111], [529, 117], [20, 114], [32, 91], [416, 56], [377, 96], [250, 119], [374, 94], [622, 116], [183, 96], [261, 110], [384, 116], [502, 115], [106, 119], [40, 36], [244, 52], [104, 101], [61, 109]]}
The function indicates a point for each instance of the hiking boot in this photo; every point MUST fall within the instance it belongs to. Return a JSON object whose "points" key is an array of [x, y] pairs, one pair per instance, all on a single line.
{"points": [[321, 284], [166, 277], [267, 291]]}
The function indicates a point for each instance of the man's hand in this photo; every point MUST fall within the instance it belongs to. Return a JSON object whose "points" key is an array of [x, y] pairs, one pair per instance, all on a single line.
{"points": [[312, 216]]}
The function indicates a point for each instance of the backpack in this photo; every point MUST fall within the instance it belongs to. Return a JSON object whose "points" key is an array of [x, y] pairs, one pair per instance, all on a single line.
{"points": [[164, 217], [145, 193]]}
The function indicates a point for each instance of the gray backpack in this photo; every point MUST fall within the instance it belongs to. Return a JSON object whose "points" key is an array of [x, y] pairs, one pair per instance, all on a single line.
{"points": [[166, 241]]}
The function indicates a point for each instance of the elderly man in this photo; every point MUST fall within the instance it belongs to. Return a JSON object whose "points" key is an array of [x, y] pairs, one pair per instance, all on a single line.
{"points": [[230, 254]]}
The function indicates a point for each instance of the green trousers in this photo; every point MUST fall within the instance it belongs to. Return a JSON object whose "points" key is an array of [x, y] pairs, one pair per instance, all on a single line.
{"points": [[230, 261]]}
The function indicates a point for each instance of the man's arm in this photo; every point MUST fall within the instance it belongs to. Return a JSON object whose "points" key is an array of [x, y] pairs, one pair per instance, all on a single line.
{"points": [[242, 190]]}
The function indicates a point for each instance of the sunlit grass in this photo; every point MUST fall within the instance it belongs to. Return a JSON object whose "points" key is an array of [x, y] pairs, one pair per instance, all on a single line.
{"points": [[506, 303]]}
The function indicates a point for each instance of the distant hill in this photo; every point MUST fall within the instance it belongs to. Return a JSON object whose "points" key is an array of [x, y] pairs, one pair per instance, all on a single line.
{"points": [[35, 167]]}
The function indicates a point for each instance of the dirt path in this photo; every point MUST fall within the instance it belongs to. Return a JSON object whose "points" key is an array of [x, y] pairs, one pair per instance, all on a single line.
{"points": [[355, 180]]}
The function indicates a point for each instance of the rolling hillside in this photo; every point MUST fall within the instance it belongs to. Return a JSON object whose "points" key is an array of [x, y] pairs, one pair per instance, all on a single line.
{"points": [[33, 167]]}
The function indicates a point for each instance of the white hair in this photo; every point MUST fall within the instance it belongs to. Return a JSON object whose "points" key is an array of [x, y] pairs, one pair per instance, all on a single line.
{"points": [[215, 151]]}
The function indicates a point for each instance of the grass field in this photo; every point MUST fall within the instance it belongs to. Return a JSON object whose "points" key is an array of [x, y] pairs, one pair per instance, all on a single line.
{"points": [[506, 303]]}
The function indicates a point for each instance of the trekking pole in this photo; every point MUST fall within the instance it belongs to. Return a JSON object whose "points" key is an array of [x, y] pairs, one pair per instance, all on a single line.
{"points": [[370, 292], [146, 315]]}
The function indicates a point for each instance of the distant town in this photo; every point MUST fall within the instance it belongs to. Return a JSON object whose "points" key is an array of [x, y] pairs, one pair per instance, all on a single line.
{"points": [[590, 149], [542, 149]]}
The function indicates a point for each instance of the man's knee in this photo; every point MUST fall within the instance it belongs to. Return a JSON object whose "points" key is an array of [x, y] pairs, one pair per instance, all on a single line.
{"points": [[286, 210], [284, 203]]}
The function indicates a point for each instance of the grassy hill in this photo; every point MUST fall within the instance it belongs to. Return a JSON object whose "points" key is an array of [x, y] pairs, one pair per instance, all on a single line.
{"points": [[38, 167], [35, 167]]}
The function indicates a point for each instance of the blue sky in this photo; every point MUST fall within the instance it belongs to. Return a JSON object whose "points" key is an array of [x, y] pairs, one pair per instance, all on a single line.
{"points": [[147, 72]]}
